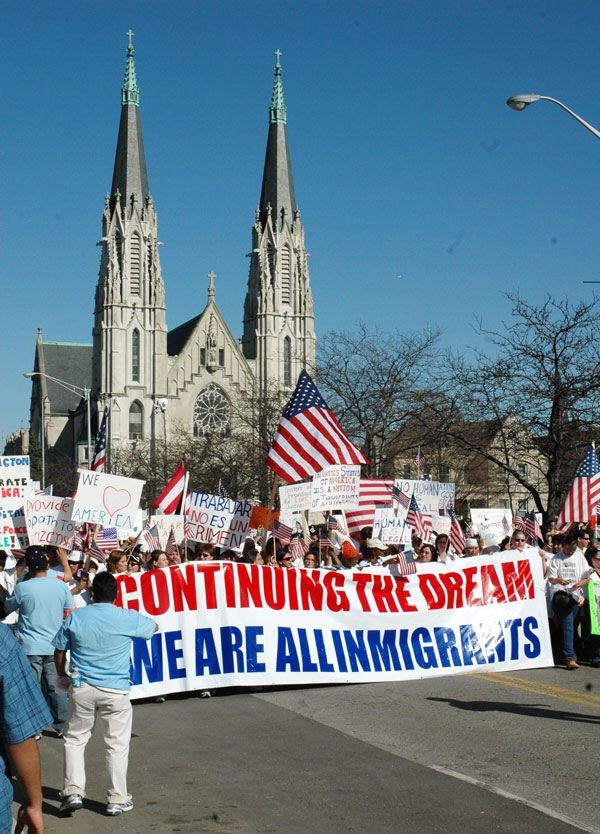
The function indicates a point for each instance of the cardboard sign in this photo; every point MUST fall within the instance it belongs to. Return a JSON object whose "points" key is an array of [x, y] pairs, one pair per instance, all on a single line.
{"points": [[164, 523], [14, 485], [294, 498], [217, 520], [441, 524], [107, 500], [336, 488], [49, 520], [389, 525], [13, 530]]}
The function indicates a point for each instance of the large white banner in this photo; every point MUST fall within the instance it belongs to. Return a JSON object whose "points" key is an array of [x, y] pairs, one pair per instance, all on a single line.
{"points": [[107, 500], [49, 520], [336, 488], [217, 520], [231, 624]]}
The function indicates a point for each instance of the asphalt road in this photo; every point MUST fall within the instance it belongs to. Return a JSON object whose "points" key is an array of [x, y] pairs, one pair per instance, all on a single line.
{"points": [[478, 753]]}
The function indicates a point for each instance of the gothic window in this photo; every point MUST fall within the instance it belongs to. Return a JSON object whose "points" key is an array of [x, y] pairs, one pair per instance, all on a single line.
{"points": [[203, 356], [134, 265], [119, 248], [271, 256], [287, 362], [135, 356], [136, 423], [221, 358], [212, 411], [285, 275]]}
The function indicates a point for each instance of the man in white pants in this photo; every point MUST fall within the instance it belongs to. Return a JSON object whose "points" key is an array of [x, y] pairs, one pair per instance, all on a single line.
{"points": [[99, 637]]}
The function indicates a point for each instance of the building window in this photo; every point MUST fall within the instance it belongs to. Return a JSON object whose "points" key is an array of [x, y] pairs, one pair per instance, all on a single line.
{"points": [[221, 358], [284, 269], [136, 421], [522, 469], [406, 472], [444, 474], [524, 505], [287, 362], [135, 356], [134, 265], [202, 356], [212, 411]]}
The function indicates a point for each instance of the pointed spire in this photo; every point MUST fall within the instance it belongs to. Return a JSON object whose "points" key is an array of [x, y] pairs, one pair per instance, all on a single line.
{"points": [[130, 92], [278, 184], [211, 285], [278, 111], [130, 177]]}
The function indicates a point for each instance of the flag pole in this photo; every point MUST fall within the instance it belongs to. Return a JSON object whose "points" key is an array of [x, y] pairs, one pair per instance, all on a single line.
{"points": [[271, 503]]}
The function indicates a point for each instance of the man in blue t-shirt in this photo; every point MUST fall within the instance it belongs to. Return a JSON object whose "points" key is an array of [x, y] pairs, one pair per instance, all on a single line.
{"points": [[99, 638], [42, 603]]}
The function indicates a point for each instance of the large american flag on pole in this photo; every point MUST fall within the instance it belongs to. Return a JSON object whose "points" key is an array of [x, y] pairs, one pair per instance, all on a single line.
{"points": [[97, 464], [309, 438], [371, 491], [584, 494]]}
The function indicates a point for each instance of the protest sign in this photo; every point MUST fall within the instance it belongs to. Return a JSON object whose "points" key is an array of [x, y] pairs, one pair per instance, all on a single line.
{"points": [[14, 485], [446, 496], [389, 524], [593, 599], [295, 498], [217, 520], [336, 488], [124, 533], [107, 500], [259, 515], [426, 493], [227, 624], [164, 523], [492, 523], [49, 520], [441, 524]]}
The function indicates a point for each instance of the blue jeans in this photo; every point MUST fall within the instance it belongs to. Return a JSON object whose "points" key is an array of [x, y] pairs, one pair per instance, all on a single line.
{"points": [[44, 669], [566, 622]]}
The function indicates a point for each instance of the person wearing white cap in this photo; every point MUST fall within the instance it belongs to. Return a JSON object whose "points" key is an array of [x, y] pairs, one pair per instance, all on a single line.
{"points": [[471, 548]]}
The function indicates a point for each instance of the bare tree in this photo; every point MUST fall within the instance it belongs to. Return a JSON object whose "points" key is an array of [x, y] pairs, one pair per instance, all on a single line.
{"points": [[373, 382]]}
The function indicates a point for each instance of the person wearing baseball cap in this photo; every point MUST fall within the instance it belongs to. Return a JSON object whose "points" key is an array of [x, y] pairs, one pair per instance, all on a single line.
{"points": [[42, 602]]}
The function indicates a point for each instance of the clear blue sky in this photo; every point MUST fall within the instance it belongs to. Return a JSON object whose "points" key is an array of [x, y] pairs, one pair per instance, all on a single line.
{"points": [[422, 195]]}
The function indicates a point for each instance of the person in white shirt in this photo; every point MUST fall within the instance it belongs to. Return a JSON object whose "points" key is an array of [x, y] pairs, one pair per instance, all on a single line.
{"points": [[567, 574]]}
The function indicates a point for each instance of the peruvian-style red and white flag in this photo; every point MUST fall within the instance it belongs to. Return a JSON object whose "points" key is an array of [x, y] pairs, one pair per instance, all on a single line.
{"points": [[169, 500]]}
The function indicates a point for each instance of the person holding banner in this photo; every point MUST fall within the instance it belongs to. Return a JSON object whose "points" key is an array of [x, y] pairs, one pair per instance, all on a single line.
{"points": [[99, 637], [567, 575]]}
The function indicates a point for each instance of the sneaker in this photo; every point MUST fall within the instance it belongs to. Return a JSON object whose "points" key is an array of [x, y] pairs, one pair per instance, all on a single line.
{"points": [[38, 736], [70, 803], [206, 693], [571, 664], [113, 809]]}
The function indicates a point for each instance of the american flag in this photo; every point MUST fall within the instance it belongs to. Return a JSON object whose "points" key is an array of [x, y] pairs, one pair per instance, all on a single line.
{"points": [[188, 530], [415, 520], [309, 438], [96, 553], [584, 494], [519, 524], [427, 526], [532, 527], [399, 497], [282, 532], [171, 546], [170, 499], [371, 492], [334, 524], [406, 564], [297, 546], [222, 492], [151, 538], [420, 460], [77, 541], [100, 448], [457, 536], [324, 538], [505, 526], [106, 539]]}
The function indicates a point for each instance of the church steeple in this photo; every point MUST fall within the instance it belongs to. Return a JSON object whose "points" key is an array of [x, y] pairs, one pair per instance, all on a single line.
{"points": [[277, 197], [279, 333], [130, 178]]}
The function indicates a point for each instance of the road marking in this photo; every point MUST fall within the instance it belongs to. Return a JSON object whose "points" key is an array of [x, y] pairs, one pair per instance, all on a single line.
{"points": [[512, 796], [593, 698], [542, 689]]}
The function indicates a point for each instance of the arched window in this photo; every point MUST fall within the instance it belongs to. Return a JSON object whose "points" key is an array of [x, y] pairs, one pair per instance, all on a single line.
{"points": [[212, 411], [134, 265], [135, 356], [119, 250], [136, 421], [287, 362], [271, 257], [285, 272]]}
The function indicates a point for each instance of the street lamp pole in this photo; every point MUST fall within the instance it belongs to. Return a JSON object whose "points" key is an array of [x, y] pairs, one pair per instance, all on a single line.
{"points": [[75, 389], [520, 102]]}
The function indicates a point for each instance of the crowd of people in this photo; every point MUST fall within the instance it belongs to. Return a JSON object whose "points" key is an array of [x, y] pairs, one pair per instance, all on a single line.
{"points": [[34, 606]]}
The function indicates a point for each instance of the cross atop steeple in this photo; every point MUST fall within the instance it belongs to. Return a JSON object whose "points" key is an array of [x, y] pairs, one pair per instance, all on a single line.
{"points": [[130, 34], [277, 54], [277, 110], [211, 286], [130, 92]]}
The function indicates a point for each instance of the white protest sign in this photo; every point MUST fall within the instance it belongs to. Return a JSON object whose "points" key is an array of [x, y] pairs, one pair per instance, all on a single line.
{"points": [[49, 520], [492, 523], [217, 520], [426, 493], [124, 533], [14, 485], [389, 524], [491, 532], [107, 500], [13, 530], [336, 488], [294, 498], [164, 524], [441, 524], [446, 496]]}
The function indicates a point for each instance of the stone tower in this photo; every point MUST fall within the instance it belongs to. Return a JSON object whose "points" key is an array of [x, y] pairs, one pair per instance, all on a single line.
{"points": [[130, 331], [279, 334]]}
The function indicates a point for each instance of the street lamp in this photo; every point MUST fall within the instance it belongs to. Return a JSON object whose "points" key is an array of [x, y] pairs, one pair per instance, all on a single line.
{"points": [[520, 102], [75, 389]]}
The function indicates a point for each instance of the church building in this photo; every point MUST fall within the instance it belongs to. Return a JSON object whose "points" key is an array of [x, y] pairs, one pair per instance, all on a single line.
{"points": [[154, 380]]}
